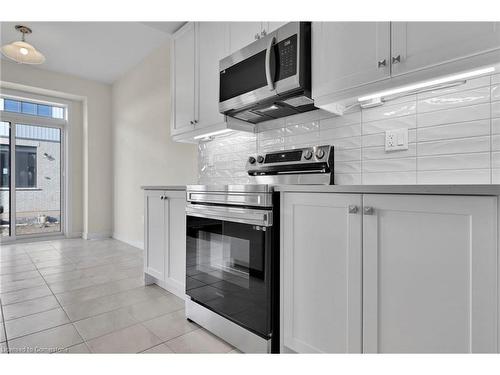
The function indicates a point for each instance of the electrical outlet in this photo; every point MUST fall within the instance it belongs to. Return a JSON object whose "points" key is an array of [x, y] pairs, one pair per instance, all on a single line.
{"points": [[396, 140]]}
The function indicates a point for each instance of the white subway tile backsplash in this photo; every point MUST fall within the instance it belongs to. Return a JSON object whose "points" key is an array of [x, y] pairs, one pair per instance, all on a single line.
{"points": [[450, 131], [388, 111], [454, 146], [390, 178], [464, 177], [347, 167], [495, 92], [456, 161], [347, 179], [347, 155], [381, 126], [341, 132], [454, 100], [388, 165], [379, 153], [495, 109], [448, 116], [454, 138]]}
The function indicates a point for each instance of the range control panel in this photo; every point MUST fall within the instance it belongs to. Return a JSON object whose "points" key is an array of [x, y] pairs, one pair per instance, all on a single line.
{"points": [[302, 160]]}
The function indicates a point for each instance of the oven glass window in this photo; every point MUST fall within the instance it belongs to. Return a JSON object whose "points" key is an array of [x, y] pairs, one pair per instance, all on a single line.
{"points": [[227, 271]]}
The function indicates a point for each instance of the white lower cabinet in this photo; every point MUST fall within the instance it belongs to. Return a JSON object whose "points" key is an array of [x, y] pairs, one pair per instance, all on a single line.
{"points": [[165, 240], [429, 270], [321, 269]]}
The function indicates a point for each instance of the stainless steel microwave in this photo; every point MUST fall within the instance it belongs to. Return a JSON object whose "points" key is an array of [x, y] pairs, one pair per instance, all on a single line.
{"points": [[270, 78]]}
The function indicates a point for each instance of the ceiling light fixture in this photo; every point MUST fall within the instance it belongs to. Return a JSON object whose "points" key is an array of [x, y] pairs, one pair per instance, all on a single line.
{"points": [[22, 52], [425, 85]]}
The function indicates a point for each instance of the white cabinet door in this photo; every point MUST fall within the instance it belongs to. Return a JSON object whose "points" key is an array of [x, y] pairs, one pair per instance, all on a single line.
{"points": [[175, 274], [348, 54], [183, 79], [271, 26], [424, 44], [213, 45], [429, 274], [321, 273], [242, 33], [155, 226]]}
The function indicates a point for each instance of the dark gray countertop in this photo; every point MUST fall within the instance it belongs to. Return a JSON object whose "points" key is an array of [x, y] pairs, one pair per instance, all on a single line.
{"points": [[164, 187], [395, 189]]}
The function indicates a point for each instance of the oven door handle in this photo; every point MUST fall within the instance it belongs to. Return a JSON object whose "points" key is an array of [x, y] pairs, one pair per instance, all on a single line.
{"points": [[262, 218]]}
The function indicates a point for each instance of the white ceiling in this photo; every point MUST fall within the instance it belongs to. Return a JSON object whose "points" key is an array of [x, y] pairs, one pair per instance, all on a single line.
{"points": [[100, 51]]}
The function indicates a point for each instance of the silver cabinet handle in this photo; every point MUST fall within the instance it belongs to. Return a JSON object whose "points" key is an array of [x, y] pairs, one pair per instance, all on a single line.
{"points": [[195, 121], [368, 210], [165, 197], [191, 122], [396, 59], [161, 197], [381, 63], [257, 36], [263, 33], [269, 78], [353, 209]]}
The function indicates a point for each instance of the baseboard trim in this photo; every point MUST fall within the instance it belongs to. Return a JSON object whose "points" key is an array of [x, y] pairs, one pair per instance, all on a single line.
{"points": [[74, 235], [138, 244], [172, 286], [96, 236]]}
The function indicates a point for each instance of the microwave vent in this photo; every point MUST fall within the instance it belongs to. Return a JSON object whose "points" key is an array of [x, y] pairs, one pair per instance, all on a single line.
{"points": [[298, 101]]}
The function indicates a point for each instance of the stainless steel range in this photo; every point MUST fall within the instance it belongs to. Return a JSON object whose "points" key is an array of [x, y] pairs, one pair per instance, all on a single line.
{"points": [[232, 248]]}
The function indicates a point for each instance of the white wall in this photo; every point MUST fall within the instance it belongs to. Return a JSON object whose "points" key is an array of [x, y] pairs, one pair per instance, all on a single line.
{"points": [[143, 153], [90, 143]]}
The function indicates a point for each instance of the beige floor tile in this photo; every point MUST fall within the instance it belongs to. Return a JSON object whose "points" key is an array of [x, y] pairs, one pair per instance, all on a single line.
{"points": [[19, 276], [133, 339], [33, 306], [75, 349], [158, 349], [69, 285], [61, 261], [7, 270], [170, 326], [48, 341], [35, 323], [103, 324], [57, 269], [152, 308], [21, 284], [199, 341], [70, 275], [3, 348], [25, 294]]}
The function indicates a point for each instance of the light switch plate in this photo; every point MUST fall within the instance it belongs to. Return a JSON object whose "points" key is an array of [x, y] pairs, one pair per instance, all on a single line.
{"points": [[396, 140]]}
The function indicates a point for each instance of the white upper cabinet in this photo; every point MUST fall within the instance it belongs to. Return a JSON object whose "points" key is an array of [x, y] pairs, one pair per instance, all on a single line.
{"points": [[321, 273], [213, 45], [348, 54], [419, 45], [272, 25], [430, 274], [183, 79], [243, 33]]}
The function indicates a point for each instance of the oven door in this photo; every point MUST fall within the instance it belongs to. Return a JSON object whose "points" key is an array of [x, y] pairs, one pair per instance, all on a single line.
{"points": [[228, 264], [264, 69]]}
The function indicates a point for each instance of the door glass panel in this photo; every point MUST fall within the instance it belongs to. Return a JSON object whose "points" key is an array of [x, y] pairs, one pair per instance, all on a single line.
{"points": [[227, 271], [38, 179], [4, 179]]}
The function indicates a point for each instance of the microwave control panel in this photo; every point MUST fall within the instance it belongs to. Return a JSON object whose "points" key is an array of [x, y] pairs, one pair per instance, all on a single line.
{"points": [[286, 55]]}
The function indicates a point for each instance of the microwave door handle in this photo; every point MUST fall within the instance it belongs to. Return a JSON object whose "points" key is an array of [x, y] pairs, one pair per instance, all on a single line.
{"points": [[269, 78]]}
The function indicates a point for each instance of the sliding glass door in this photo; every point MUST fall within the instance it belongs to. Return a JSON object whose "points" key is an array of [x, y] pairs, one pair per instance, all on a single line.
{"points": [[5, 180], [32, 184]]}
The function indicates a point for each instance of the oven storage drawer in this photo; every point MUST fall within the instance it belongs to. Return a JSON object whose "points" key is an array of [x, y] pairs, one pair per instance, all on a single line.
{"points": [[233, 214]]}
